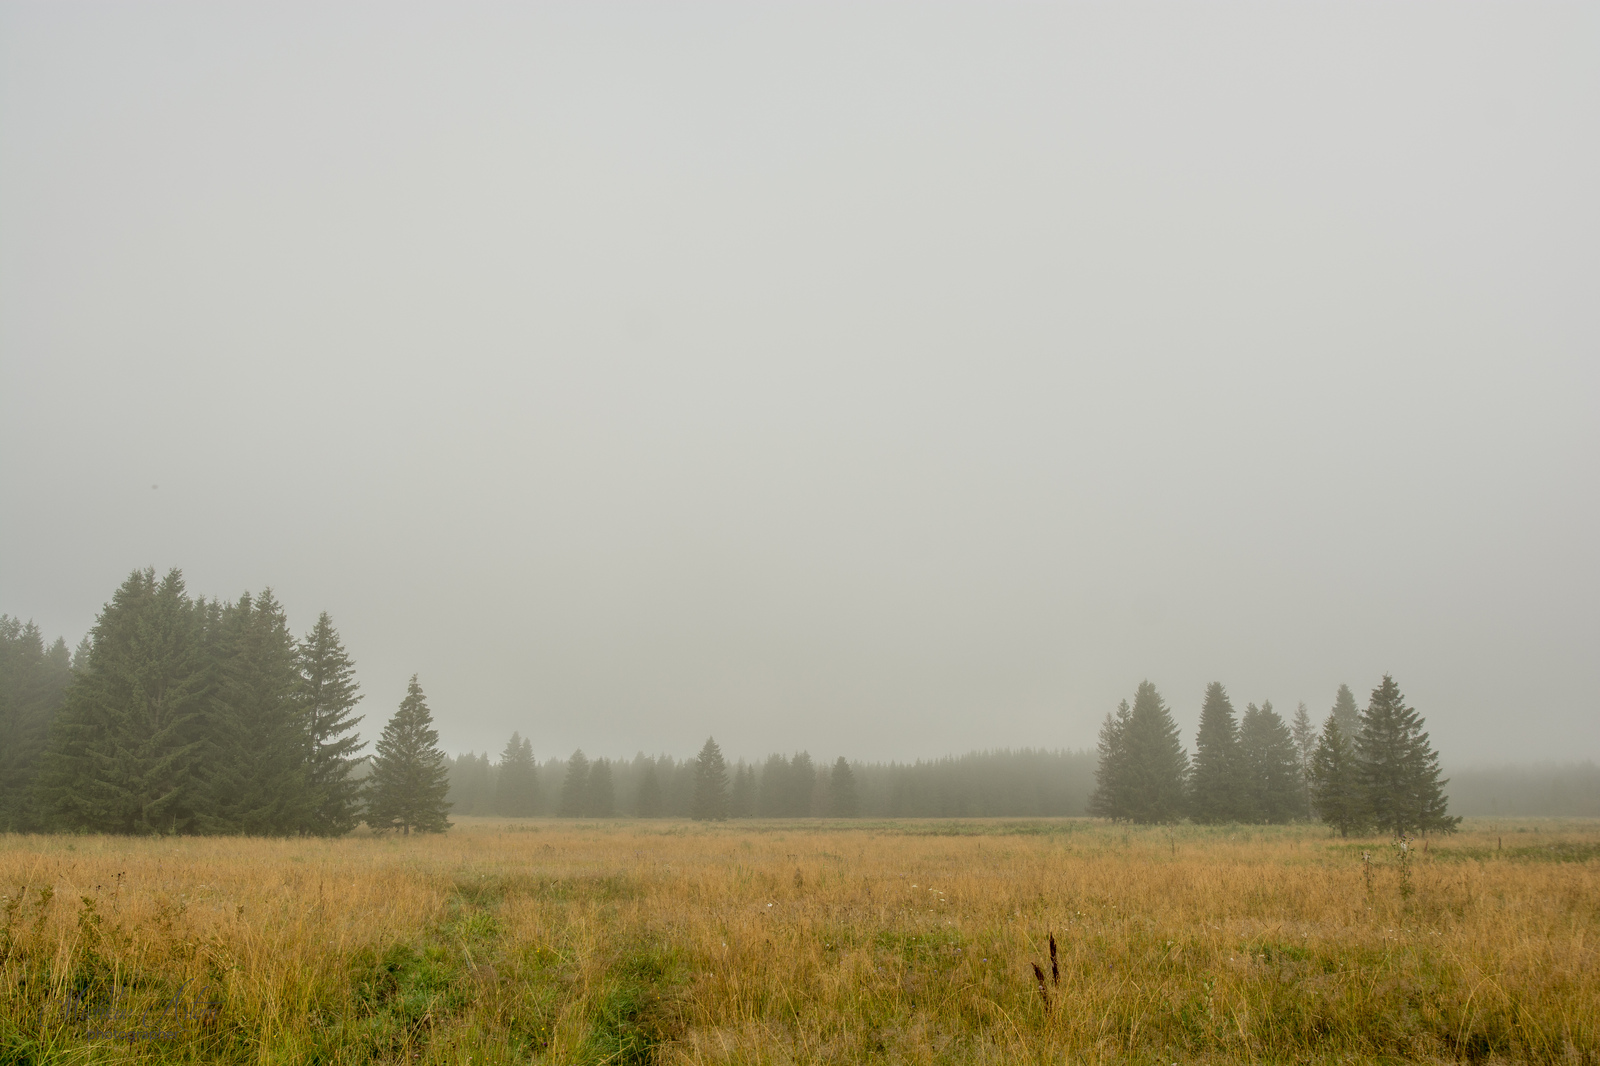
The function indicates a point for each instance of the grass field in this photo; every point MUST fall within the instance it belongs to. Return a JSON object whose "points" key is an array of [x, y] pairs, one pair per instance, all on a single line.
{"points": [[619, 942]]}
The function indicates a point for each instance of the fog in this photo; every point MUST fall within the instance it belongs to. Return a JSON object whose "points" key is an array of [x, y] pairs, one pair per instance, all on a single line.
{"points": [[886, 380]]}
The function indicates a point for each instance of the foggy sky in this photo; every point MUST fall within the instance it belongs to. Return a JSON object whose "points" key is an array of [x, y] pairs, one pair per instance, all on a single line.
{"points": [[885, 380]]}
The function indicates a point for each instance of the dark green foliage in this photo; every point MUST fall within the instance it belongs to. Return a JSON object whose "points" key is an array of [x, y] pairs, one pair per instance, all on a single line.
{"points": [[710, 784], [600, 794], [33, 683], [742, 795], [1336, 795], [1143, 775], [1271, 766], [329, 694], [575, 786], [516, 786], [124, 751], [1218, 790], [1398, 768], [842, 801], [409, 783], [256, 759], [979, 784], [1111, 774]]}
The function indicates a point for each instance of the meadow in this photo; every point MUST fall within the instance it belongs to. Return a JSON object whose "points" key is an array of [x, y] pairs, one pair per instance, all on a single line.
{"points": [[802, 942]]}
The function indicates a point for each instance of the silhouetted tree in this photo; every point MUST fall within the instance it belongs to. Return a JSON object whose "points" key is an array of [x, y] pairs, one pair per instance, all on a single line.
{"points": [[1218, 788], [329, 694], [1111, 777], [124, 751], [1336, 795], [33, 683], [1399, 769], [516, 787], [409, 785], [1347, 712], [1272, 768], [1157, 765], [842, 802], [600, 798], [773, 797], [1305, 746], [710, 784], [575, 786]]}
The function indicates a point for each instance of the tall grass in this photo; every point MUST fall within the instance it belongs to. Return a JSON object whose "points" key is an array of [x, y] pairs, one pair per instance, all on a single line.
{"points": [[804, 942]]}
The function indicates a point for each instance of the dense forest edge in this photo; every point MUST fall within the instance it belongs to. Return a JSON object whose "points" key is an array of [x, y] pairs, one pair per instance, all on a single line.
{"points": [[182, 714]]}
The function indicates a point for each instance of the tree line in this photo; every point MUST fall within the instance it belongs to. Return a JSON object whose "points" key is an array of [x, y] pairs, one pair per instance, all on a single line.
{"points": [[1370, 768], [194, 715], [990, 784], [191, 715]]}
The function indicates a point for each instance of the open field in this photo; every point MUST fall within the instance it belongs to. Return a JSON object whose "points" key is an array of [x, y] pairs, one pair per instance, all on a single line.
{"points": [[805, 942]]}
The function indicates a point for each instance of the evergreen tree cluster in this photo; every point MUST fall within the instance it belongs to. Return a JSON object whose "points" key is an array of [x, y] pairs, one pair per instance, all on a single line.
{"points": [[1371, 769], [189, 715]]}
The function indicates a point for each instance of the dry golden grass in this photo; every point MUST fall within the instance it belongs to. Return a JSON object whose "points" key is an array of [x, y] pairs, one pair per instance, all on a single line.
{"points": [[804, 942]]}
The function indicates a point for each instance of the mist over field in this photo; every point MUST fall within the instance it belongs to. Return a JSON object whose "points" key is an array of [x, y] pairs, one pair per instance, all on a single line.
{"points": [[879, 381]]}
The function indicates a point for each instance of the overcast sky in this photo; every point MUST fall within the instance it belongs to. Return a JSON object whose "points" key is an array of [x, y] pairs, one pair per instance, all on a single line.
{"points": [[886, 380]]}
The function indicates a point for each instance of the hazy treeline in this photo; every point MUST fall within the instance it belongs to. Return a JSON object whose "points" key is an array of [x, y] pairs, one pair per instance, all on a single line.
{"points": [[1542, 789], [1025, 783]]}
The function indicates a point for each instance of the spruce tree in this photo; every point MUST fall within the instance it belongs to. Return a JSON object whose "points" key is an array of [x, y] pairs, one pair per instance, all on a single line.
{"points": [[328, 696], [1336, 796], [742, 795], [802, 785], [33, 683], [1347, 712], [1217, 786], [575, 786], [1399, 770], [842, 801], [1110, 796], [1305, 746], [516, 787], [647, 802], [1157, 765], [1272, 768], [600, 796], [123, 753], [710, 784], [409, 785], [256, 753]]}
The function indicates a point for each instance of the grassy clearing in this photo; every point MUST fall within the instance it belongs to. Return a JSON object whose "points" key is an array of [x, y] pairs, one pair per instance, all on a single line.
{"points": [[804, 942]]}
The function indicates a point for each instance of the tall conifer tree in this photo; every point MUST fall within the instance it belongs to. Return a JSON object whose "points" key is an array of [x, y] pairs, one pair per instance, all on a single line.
{"points": [[600, 793], [1110, 796], [710, 784], [1399, 770], [33, 683], [256, 755], [517, 782], [1157, 766], [329, 694], [647, 802], [1336, 795], [575, 786], [1305, 746], [842, 802], [124, 750], [1347, 712], [1272, 769], [772, 800], [1217, 785], [410, 784]]}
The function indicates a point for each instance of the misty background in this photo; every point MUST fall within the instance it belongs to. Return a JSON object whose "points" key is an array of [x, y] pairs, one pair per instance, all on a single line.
{"points": [[880, 380]]}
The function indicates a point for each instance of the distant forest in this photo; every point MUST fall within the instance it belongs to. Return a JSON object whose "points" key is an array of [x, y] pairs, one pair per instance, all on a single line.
{"points": [[194, 715]]}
